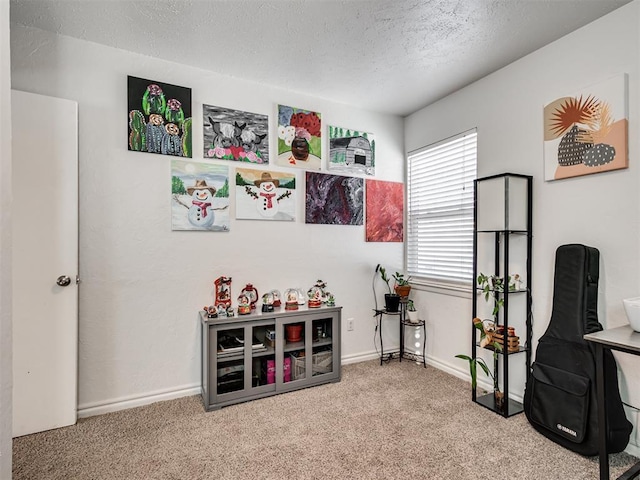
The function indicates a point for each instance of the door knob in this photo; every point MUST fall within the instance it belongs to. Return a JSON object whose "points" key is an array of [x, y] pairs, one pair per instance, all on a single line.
{"points": [[63, 281]]}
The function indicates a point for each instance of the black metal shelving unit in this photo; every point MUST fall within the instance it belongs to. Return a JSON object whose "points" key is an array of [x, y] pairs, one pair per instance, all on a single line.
{"points": [[512, 194]]}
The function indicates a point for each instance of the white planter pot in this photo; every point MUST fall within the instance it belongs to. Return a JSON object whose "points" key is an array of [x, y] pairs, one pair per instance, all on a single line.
{"points": [[412, 316]]}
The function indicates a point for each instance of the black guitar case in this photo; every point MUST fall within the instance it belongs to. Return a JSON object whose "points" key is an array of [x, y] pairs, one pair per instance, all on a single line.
{"points": [[560, 397]]}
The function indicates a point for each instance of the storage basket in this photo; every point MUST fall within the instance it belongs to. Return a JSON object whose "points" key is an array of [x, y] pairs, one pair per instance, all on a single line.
{"points": [[322, 362]]}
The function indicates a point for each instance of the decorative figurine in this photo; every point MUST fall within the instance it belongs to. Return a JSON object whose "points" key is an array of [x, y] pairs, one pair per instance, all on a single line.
{"points": [[322, 286], [315, 297], [222, 310], [276, 298], [302, 297], [252, 294], [291, 299], [267, 302], [211, 311], [230, 312], [223, 291], [331, 301], [244, 304], [515, 282]]}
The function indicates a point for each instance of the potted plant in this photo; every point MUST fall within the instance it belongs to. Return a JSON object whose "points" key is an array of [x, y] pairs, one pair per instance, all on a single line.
{"points": [[412, 313], [401, 285], [486, 341], [490, 284], [391, 300]]}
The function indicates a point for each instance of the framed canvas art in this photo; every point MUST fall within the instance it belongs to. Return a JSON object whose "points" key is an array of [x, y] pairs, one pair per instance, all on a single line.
{"points": [[299, 142], [159, 117], [235, 135], [334, 199], [587, 132], [265, 195], [385, 211], [351, 151], [199, 196]]}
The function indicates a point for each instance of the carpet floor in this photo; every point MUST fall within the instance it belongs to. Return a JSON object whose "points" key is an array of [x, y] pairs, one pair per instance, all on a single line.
{"points": [[394, 421]]}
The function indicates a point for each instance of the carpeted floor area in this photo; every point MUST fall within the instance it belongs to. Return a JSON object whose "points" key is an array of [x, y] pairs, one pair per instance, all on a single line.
{"points": [[394, 421]]}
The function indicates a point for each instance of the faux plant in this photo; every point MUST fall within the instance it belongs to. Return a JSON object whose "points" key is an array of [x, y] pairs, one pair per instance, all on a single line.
{"points": [[410, 306], [400, 280], [474, 362], [385, 278], [491, 285]]}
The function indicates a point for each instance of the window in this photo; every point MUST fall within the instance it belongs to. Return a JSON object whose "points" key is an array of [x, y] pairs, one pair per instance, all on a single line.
{"points": [[440, 212]]}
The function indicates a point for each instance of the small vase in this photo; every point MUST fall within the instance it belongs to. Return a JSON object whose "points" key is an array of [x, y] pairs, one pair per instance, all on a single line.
{"points": [[293, 333]]}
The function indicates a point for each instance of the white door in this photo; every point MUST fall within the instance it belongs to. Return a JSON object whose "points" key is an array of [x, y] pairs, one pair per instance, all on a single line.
{"points": [[45, 258]]}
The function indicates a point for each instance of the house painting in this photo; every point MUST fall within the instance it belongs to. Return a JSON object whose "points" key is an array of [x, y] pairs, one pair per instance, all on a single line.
{"points": [[351, 151]]}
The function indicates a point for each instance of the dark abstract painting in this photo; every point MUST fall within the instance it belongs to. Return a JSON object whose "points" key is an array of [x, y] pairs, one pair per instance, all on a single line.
{"points": [[385, 211], [334, 199]]}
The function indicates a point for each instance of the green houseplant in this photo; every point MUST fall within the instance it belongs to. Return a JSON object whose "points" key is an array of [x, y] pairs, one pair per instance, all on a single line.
{"points": [[391, 300], [474, 362], [490, 285], [401, 286], [412, 313]]}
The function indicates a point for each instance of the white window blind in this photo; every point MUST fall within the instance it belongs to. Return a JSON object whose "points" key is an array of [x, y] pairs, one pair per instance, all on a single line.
{"points": [[440, 211]]}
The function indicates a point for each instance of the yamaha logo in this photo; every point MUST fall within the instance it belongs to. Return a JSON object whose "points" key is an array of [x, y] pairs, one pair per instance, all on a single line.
{"points": [[566, 430]]}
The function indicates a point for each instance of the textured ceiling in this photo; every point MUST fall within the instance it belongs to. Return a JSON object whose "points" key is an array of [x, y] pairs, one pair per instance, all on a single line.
{"points": [[392, 56]]}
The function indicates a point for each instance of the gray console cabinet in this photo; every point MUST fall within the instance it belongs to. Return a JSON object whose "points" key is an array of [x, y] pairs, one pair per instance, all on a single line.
{"points": [[247, 357]]}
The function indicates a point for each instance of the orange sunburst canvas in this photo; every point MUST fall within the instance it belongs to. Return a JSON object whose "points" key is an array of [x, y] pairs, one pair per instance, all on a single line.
{"points": [[587, 133]]}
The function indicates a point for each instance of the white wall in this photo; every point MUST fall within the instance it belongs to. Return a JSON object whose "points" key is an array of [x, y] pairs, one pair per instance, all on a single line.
{"points": [[142, 284], [5, 245], [598, 210]]}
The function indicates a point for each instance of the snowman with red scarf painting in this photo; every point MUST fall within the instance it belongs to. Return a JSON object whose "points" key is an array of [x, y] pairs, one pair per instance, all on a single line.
{"points": [[267, 204], [201, 210]]}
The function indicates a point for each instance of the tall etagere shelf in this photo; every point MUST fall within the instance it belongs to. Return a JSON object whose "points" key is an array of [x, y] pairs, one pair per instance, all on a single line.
{"points": [[502, 242]]}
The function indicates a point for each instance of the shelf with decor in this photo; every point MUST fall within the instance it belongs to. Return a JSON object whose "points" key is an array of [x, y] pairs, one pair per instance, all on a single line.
{"points": [[256, 355], [502, 241]]}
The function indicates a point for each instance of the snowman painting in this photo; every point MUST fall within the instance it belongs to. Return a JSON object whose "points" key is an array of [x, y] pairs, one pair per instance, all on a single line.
{"points": [[267, 197], [199, 196], [267, 203], [201, 210]]}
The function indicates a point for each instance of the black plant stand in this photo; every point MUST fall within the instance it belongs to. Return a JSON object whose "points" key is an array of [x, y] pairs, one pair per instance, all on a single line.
{"points": [[421, 325], [403, 322], [385, 357]]}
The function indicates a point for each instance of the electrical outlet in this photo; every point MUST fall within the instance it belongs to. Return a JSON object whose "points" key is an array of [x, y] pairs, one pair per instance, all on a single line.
{"points": [[350, 324]]}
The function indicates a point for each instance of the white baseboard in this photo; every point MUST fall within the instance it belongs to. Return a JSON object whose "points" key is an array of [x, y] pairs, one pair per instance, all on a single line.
{"points": [[114, 405], [99, 408], [360, 357]]}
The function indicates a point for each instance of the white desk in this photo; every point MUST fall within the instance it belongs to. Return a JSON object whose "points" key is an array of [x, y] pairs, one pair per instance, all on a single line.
{"points": [[623, 339]]}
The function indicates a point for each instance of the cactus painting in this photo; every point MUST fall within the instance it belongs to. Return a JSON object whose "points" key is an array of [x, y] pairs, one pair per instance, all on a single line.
{"points": [[159, 117], [587, 132]]}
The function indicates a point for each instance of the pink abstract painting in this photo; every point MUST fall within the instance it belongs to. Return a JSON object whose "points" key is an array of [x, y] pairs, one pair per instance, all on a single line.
{"points": [[385, 211]]}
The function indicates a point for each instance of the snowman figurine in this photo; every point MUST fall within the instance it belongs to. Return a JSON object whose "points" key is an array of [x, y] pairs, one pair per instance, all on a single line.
{"points": [[267, 203], [201, 210]]}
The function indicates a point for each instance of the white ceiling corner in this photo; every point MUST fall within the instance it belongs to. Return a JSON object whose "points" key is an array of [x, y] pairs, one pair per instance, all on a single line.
{"points": [[390, 56]]}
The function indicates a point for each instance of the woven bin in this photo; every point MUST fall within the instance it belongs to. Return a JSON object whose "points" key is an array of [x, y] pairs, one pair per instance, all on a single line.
{"points": [[322, 362]]}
